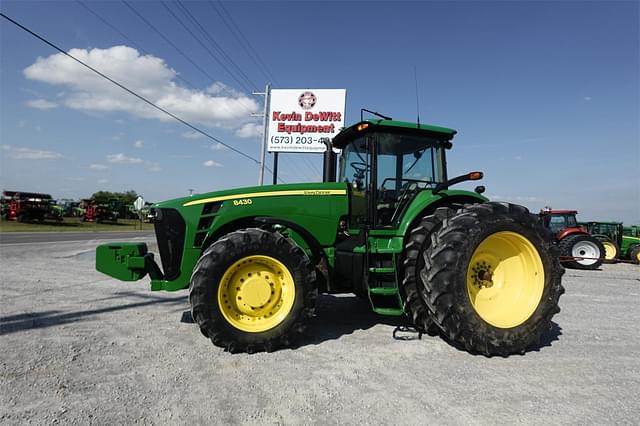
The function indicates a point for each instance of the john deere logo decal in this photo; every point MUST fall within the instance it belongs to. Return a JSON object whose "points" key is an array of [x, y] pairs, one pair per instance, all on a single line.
{"points": [[307, 100]]}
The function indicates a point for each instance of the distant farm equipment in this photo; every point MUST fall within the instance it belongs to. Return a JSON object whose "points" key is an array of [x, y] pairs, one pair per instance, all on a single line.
{"points": [[26, 206], [578, 248], [617, 245]]}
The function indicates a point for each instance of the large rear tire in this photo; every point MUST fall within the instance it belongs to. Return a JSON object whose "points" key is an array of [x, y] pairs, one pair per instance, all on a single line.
{"points": [[611, 250], [588, 251], [417, 242], [252, 291], [492, 279]]}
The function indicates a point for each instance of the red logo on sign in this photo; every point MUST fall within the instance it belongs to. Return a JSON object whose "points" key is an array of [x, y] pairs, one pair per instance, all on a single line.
{"points": [[307, 100]]}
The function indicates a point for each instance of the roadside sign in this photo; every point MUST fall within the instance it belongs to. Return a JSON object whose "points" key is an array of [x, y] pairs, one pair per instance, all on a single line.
{"points": [[138, 203], [301, 119]]}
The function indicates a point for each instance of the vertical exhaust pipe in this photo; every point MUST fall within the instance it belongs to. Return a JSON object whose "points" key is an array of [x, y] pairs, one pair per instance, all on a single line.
{"points": [[329, 163]]}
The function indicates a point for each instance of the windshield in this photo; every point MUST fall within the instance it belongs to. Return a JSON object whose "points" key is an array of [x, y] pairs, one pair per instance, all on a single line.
{"points": [[559, 222], [406, 159], [401, 159], [354, 163]]}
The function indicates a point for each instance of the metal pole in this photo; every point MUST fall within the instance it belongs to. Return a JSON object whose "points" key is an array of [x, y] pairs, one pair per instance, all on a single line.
{"points": [[265, 130], [275, 168]]}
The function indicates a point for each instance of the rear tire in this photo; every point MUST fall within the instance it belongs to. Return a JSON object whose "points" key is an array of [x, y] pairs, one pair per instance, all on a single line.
{"points": [[417, 242], [581, 245], [492, 279], [252, 291]]}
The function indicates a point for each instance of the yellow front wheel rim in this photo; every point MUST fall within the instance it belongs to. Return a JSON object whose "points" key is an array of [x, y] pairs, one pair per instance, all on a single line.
{"points": [[609, 250], [505, 279], [256, 293]]}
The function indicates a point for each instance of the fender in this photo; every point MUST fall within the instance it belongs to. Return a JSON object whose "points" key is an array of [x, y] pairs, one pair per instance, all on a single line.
{"points": [[316, 250], [571, 231]]}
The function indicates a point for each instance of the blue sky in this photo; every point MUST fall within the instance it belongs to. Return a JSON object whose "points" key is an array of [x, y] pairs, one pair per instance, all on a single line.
{"points": [[545, 95]]}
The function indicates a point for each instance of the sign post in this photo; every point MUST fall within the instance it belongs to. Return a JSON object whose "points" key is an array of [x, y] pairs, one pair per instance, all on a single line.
{"points": [[138, 204]]}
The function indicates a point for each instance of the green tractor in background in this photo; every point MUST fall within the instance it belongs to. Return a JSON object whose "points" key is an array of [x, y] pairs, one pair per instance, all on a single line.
{"points": [[485, 275], [631, 231], [55, 211], [616, 243]]}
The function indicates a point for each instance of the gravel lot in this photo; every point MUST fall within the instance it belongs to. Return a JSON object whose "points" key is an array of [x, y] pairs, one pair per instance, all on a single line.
{"points": [[80, 348]]}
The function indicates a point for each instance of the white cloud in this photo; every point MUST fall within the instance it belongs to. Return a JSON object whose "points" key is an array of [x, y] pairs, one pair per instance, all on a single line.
{"points": [[123, 159], [517, 198], [147, 75], [217, 147], [75, 179], [153, 167], [22, 123], [98, 167], [587, 98], [117, 137], [103, 180], [139, 143], [41, 104], [249, 130], [211, 163], [192, 135], [18, 153]]}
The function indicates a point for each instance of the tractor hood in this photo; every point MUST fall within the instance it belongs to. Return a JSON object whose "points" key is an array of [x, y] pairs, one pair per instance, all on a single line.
{"points": [[252, 192]]}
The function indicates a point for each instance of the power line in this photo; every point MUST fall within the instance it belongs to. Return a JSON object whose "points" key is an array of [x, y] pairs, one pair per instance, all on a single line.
{"points": [[186, 28], [242, 40], [168, 41], [142, 98], [217, 46], [146, 21]]}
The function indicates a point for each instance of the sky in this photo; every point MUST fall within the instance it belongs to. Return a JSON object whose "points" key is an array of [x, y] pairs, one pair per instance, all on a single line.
{"points": [[545, 96]]}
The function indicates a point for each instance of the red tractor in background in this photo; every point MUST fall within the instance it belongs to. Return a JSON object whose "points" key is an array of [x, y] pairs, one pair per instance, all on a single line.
{"points": [[585, 251], [25, 206]]}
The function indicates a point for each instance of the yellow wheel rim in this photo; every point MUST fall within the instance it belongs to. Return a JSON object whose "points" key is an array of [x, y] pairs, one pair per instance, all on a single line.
{"points": [[505, 279], [609, 250], [256, 293]]}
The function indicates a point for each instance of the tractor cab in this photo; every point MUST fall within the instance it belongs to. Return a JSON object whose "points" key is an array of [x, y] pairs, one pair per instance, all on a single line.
{"points": [[386, 163], [610, 230], [617, 244], [561, 222]]}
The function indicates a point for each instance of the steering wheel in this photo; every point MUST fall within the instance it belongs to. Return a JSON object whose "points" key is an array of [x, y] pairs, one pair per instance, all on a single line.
{"points": [[359, 166]]}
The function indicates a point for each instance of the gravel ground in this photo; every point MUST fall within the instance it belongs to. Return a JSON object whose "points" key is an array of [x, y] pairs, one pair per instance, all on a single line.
{"points": [[80, 348]]}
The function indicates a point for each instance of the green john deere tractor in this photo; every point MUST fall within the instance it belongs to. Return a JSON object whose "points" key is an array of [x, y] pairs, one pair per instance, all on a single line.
{"points": [[617, 245], [631, 231], [485, 275]]}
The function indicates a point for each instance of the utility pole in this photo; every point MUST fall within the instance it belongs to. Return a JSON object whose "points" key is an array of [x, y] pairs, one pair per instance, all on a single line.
{"points": [[265, 129]]}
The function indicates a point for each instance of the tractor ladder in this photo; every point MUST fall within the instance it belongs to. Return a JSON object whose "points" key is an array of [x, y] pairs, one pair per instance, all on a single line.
{"points": [[382, 275]]}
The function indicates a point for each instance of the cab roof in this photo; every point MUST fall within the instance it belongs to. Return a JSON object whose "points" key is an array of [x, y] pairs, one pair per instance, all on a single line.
{"points": [[366, 126]]}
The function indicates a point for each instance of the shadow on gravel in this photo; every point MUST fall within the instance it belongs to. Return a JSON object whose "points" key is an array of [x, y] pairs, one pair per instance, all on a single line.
{"points": [[35, 320], [548, 337], [546, 340], [339, 316]]}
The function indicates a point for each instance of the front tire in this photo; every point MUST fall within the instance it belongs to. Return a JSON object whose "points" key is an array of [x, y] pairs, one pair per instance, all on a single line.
{"points": [[611, 250], [252, 291], [634, 254], [492, 279]]}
